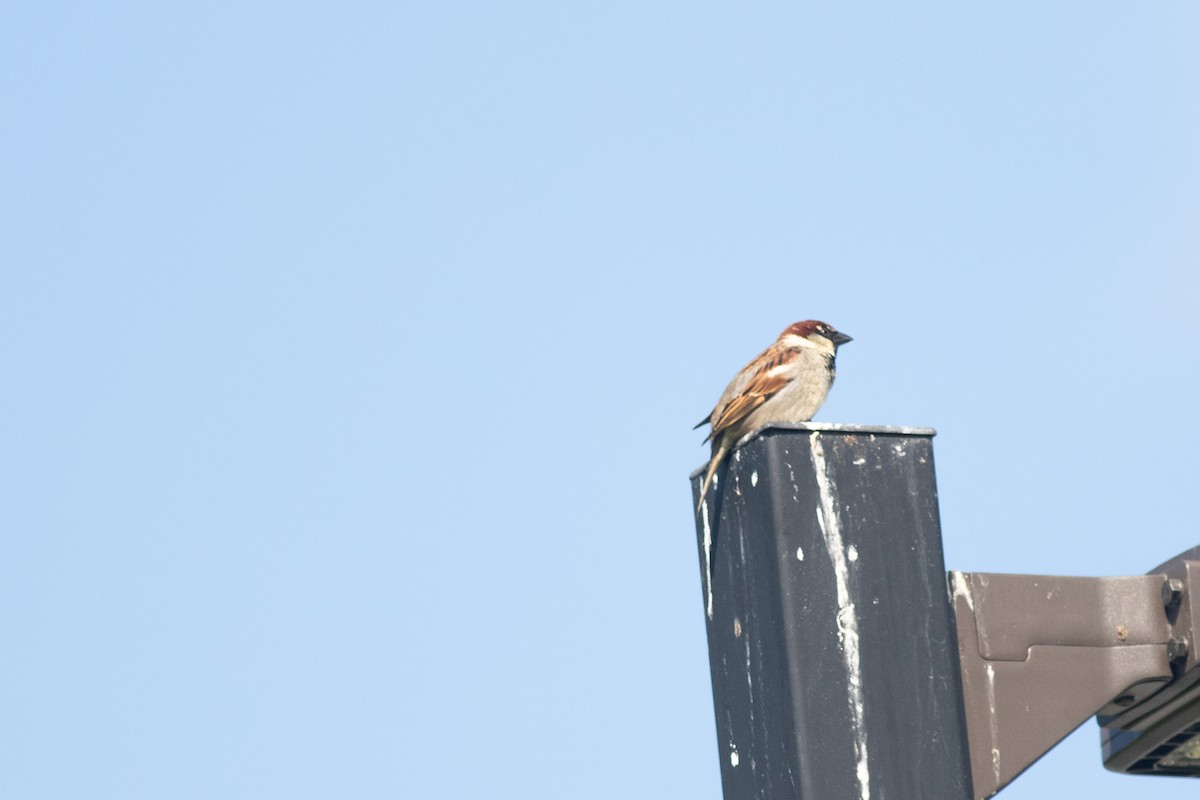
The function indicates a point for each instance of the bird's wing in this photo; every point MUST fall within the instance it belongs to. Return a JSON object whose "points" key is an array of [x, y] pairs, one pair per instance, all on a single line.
{"points": [[757, 383]]}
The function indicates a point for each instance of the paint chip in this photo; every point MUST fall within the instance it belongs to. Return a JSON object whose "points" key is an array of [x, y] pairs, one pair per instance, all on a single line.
{"points": [[733, 758], [754, 478], [799, 553], [962, 588], [852, 553]]}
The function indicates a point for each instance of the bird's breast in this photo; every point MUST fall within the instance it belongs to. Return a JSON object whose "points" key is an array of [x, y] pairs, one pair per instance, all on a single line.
{"points": [[800, 399]]}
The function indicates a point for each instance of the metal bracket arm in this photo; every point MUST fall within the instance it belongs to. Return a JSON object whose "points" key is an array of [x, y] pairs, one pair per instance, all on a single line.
{"points": [[1040, 654]]}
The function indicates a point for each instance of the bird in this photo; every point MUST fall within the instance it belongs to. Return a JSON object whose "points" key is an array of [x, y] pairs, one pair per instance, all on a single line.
{"points": [[787, 382]]}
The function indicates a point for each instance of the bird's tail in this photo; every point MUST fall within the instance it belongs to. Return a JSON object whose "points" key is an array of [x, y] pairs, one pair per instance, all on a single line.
{"points": [[719, 451]]}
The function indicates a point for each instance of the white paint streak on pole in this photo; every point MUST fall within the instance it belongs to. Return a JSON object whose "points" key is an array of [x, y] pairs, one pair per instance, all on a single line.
{"points": [[847, 621], [707, 559], [991, 697]]}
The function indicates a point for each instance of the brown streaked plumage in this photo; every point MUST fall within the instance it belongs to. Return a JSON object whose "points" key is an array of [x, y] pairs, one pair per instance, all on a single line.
{"points": [[787, 382]]}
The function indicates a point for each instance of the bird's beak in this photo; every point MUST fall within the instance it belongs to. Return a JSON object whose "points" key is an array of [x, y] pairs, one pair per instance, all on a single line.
{"points": [[840, 338]]}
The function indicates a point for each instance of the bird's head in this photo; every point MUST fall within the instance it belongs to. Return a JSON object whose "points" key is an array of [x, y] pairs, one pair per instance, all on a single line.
{"points": [[818, 333]]}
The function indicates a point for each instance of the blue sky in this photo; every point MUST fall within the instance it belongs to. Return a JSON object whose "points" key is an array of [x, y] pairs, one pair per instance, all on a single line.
{"points": [[352, 353]]}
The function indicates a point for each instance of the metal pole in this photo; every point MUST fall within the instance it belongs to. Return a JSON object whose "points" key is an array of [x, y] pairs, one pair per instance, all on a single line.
{"points": [[831, 641]]}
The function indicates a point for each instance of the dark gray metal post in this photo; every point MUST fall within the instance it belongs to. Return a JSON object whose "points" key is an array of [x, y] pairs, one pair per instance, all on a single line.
{"points": [[831, 642]]}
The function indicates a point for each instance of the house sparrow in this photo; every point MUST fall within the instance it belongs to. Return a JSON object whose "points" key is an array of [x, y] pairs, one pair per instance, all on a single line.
{"points": [[788, 382]]}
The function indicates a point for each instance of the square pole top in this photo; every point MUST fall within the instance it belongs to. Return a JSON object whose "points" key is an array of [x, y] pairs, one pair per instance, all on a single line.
{"points": [[829, 427]]}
